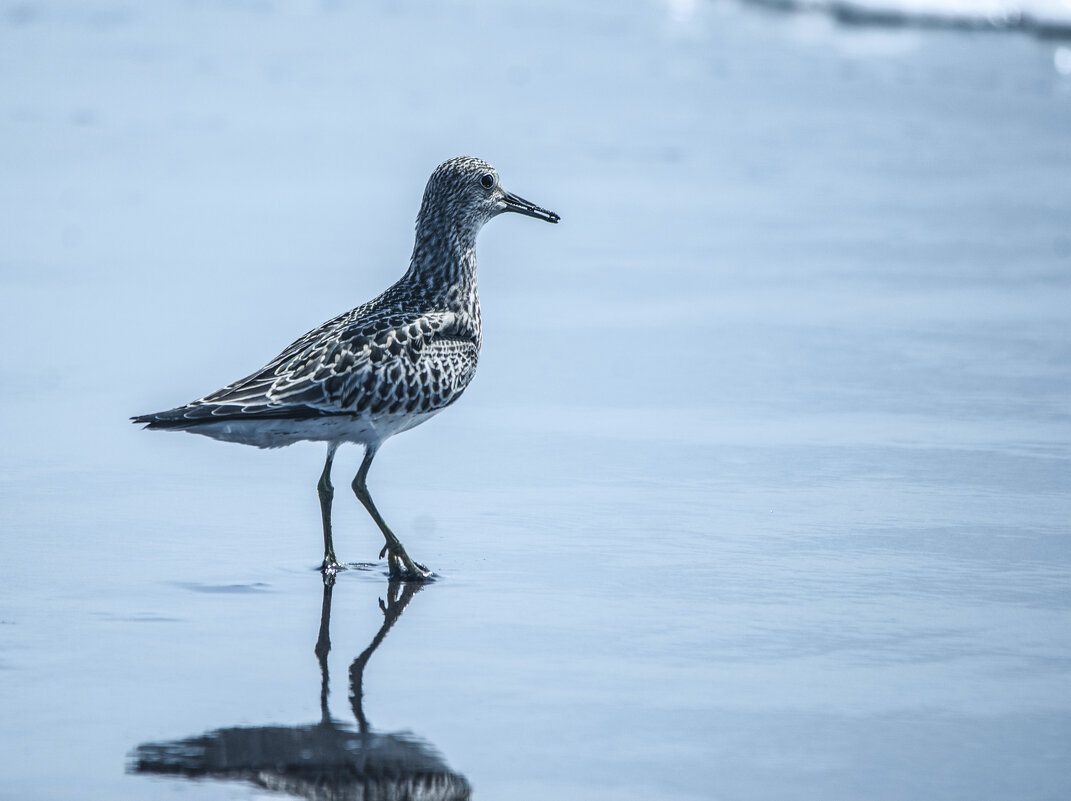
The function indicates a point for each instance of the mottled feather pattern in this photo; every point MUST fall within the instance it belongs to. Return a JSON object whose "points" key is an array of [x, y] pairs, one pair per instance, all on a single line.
{"points": [[381, 358], [411, 351]]}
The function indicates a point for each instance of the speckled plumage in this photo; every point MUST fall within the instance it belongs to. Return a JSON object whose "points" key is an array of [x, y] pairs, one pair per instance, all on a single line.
{"points": [[383, 367]]}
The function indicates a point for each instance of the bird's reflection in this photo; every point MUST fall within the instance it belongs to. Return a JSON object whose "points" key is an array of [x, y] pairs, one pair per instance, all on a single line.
{"points": [[328, 760]]}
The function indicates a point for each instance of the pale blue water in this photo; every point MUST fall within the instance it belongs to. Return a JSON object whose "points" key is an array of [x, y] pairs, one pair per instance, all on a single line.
{"points": [[761, 490]]}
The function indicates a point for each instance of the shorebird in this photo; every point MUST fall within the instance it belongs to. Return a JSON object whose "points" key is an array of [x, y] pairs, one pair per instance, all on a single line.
{"points": [[381, 368]]}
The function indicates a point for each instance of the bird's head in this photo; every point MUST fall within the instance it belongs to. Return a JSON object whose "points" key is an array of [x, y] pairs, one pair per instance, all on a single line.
{"points": [[464, 193]]}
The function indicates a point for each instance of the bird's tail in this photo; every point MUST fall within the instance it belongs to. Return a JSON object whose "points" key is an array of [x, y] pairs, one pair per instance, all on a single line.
{"points": [[172, 418]]}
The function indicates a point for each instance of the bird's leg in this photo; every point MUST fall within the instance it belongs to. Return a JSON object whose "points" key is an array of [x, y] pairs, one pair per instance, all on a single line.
{"points": [[401, 566], [326, 492]]}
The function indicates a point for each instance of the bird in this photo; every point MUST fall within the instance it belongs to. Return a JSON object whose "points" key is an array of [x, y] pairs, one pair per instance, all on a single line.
{"points": [[380, 368]]}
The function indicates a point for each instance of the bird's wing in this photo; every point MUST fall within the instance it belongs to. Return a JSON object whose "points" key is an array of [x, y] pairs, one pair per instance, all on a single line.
{"points": [[364, 361]]}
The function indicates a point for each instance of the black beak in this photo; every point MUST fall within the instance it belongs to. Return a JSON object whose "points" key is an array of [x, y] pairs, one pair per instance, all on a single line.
{"points": [[522, 206]]}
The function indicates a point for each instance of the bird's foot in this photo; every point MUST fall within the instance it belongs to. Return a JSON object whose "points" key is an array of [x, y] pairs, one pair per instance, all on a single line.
{"points": [[403, 568], [331, 565]]}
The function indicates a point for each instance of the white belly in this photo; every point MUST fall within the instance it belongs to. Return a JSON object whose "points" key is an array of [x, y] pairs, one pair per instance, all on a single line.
{"points": [[277, 433]]}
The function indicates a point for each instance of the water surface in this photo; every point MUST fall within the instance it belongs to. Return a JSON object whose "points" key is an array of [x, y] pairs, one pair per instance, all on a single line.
{"points": [[761, 490]]}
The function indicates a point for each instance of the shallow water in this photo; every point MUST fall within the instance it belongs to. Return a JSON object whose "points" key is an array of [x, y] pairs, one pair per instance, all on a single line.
{"points": [[761, 490]]}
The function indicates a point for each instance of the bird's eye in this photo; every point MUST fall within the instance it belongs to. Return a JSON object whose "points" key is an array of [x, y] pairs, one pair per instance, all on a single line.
{"points": [[487, 180]]}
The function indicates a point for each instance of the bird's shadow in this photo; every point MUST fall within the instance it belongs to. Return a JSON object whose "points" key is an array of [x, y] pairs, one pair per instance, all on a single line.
{"points": [[329, 760]]}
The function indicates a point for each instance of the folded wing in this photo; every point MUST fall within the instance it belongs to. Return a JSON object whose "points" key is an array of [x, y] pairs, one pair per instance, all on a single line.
{"points": [[360, 363]]}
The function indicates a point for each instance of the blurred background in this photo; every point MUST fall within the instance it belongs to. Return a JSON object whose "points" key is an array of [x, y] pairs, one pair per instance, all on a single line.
{"points": [[762, 489]]}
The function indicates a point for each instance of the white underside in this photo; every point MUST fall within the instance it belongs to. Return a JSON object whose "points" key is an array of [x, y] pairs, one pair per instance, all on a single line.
{"points": [[336, 429]]}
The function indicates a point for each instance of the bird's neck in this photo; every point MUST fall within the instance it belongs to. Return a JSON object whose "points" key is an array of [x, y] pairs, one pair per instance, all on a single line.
{"points": [[444, 266], [444, 261]]}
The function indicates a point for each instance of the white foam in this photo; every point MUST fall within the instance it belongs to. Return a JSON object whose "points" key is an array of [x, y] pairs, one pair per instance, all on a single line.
{"points": [[1042, 15]]}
